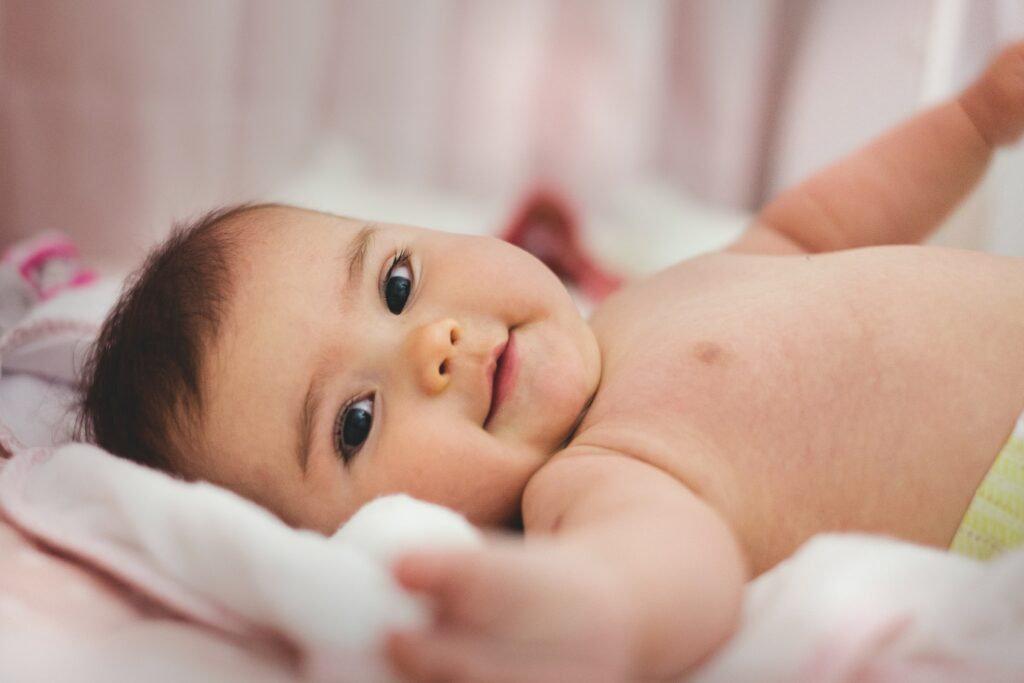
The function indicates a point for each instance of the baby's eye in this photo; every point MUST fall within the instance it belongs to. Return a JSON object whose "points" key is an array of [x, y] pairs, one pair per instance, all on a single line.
{"points": [[352, 427], [398, 284]]}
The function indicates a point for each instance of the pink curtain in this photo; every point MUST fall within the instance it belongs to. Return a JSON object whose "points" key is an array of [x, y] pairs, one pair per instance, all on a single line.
{"points": [[118, 116]]}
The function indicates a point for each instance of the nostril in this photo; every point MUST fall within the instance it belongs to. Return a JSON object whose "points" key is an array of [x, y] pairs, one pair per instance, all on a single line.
{"points": [[443, 368], [454, 336]]}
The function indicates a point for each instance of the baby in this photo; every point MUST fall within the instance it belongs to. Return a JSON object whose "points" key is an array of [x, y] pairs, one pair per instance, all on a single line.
{"points": [[698, 428]]}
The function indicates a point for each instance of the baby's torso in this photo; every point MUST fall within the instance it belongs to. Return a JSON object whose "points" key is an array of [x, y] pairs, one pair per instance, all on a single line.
{"points": [[864, 390]]}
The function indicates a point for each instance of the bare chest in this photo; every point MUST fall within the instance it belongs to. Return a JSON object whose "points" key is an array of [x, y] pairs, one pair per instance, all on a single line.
{"points": [[803, 396]]}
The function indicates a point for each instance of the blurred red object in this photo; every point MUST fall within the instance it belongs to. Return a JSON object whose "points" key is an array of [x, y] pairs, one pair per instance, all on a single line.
{"points": [[48, 264], [546, 226]]}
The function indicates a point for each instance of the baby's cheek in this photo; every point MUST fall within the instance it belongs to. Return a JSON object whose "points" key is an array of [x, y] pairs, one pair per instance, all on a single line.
{"points": [[561, 389], [476, 475]]}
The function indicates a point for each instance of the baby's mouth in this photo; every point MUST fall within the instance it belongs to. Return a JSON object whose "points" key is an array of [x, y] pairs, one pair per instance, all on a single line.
{"points": [[503, 376]]}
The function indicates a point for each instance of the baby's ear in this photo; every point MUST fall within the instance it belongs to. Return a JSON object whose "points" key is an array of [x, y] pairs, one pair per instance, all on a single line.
{"points": [[393, 525]]}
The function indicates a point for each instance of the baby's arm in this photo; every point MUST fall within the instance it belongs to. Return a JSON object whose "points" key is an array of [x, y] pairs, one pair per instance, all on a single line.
{"points": [[678, 561], [901, 186], [624, 574]]}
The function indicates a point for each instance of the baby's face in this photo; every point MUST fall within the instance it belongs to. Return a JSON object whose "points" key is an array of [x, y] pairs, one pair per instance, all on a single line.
{"points": [[358, 360]]}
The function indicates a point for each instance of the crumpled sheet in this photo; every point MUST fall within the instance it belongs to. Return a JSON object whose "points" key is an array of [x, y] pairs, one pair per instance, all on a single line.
{"points": [[129, 574], [203, 557], [850, 608]]}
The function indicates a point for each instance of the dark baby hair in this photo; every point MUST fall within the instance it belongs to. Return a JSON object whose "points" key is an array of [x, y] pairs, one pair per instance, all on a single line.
{"points": [[140, 387]]}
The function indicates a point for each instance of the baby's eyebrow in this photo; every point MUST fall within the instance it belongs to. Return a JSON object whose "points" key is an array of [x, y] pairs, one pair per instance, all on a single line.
{"points": [[357, 249], [354, 257], [307, 418]]}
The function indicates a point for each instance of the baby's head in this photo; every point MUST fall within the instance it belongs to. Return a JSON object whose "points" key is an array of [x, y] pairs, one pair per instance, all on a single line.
{"points": [[312, 363]]}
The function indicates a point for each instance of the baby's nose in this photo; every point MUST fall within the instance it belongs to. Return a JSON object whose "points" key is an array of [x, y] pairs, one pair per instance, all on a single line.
{"points": [[431, 347]]}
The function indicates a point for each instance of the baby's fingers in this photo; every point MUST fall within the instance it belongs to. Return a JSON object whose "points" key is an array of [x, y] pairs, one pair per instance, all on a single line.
{"points": [[430, 658], [454, 657], [995, 103], [442, 576], [464, 585], [433, 573]]}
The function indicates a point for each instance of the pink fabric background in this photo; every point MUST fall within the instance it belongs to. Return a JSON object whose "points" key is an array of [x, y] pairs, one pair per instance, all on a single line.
{"points": [[117, 116]]}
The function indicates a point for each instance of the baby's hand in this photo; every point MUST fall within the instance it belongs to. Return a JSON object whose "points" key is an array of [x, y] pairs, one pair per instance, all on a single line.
{"points": [[995, 102], [514, 612]]}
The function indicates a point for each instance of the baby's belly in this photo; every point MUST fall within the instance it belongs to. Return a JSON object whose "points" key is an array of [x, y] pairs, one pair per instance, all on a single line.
{"points": [[796, 403]]}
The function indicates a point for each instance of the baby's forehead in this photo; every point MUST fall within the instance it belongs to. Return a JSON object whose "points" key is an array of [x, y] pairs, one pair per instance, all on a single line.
{"points": [[285, 223], [286, 263], [296, 228]]}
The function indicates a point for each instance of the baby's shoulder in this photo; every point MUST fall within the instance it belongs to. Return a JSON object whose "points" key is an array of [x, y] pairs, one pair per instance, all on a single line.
{"points": [[700, 280], [585, 478]]}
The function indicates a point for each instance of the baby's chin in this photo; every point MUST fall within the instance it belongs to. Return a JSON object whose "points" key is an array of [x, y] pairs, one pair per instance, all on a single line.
{"points": [[557, 394], [576, 383]]}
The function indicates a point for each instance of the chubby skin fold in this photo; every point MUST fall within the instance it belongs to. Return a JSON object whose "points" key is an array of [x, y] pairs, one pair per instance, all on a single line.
{"points": [[720, 412]]}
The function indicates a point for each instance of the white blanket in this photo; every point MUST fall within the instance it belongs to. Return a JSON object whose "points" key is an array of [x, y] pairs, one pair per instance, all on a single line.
{"points": [[219, 561], [845, 608]]}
